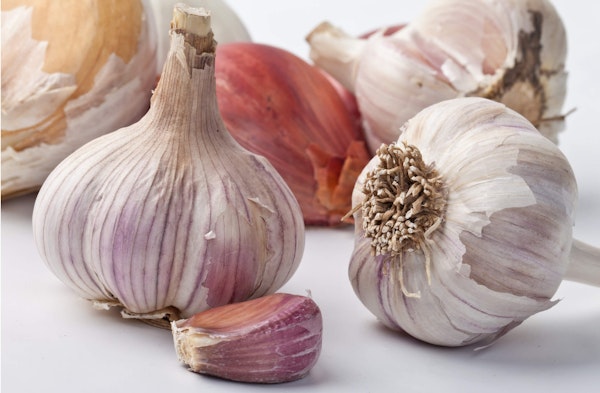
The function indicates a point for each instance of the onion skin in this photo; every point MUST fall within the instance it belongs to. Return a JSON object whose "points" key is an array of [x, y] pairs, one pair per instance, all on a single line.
{"points": [[277, 105]]}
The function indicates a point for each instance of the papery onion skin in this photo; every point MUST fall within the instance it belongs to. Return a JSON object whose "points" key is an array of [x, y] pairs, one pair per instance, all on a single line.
{"points": [[279, 106], [170, 215], [503, 247], [71, 71]]}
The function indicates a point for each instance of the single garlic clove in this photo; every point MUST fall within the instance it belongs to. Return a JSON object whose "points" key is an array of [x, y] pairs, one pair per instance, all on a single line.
{"points": [[512, 52], [273, 339], [71, 71], [464, 226]]}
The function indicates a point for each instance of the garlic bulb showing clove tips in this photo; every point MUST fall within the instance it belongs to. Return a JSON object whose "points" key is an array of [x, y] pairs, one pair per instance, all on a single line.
{"points": [[170, 216], [273, 339], [510, 51], [464, 225], [71, 71], [226, 24], [277, 105]]}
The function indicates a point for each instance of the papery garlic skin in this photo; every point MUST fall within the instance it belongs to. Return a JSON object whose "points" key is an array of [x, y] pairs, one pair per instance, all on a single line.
{"points": [[510, 51], [226, 24], [503, 244], [58, 96], [170, 215], [272, 339]]}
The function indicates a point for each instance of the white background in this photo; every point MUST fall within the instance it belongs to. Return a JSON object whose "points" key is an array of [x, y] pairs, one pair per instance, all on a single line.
{"points": [[53, 341]]}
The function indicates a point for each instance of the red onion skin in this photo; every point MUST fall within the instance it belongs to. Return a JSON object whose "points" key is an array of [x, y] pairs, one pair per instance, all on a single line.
{"points": [[277, 105]]}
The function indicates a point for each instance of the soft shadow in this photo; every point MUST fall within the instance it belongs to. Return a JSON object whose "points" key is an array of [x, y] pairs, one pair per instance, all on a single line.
{"points": [[566, 343], [18, 208]]}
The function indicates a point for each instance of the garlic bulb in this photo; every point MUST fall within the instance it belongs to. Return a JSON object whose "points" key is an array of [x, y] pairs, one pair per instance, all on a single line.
{"points": [[510, 51], [273, 339], [71, 71], [226, 24], [464, 225], [170, 216], [278, 105]]}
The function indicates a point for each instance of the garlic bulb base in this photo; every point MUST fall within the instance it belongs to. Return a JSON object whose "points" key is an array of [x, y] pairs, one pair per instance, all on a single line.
{"points": [[404, 200]]}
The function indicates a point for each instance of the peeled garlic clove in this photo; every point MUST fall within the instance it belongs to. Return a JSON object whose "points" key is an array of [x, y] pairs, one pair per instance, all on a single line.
{"points": [[273, 339], [170, 215], [510, 51], [279, 106], [226, 24], [71, 71], [464, 226]]}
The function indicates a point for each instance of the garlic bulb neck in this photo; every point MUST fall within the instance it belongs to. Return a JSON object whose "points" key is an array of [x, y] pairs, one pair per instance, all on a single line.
{"points": [[584, 265], [404, 200]]}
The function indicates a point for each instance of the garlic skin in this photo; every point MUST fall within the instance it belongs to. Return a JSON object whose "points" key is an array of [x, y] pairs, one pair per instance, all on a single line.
{"points": [[482, 224], [56, 97], [170, 216], [226, 24], [273, 339], [510, 51], [279, 106]]}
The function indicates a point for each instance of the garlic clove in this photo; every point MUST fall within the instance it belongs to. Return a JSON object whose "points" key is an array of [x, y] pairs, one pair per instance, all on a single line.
{"points": [[273, 339], [56, 97], [170, 215], [466, 230], [513, 52]]}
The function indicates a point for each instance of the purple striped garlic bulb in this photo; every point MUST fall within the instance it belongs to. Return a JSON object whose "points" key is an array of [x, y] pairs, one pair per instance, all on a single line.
{"points": [[464, 225], [170, 216], [511, 51]]}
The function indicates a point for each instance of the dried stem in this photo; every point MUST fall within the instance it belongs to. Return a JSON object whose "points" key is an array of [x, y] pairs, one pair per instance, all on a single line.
{"points": [[585, 264]]}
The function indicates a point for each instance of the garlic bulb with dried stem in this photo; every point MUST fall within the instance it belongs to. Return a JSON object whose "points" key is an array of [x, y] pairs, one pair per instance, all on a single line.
{"points": [[510, 51], [71, 71], [170, 216], [464, 225], [226, 24]]}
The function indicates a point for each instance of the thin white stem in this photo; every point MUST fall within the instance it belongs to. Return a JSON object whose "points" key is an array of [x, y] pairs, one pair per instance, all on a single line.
{"points": [[584, 266]]}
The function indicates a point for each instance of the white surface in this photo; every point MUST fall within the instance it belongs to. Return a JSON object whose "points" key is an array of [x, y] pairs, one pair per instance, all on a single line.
{"points": [[53, 341]]}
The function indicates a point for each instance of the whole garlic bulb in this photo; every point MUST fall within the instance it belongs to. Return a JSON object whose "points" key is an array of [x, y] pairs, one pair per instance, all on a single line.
{"points": [[71, 71], [226, 24], [510, 51], [170, 216], [464, 225]]}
